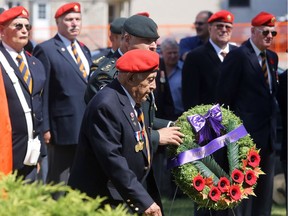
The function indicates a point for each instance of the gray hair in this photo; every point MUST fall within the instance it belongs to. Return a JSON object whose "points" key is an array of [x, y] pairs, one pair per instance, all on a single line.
{"points": [[169, 42]]}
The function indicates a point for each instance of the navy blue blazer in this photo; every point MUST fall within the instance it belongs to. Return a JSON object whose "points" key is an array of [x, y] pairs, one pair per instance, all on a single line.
{"points": [[242, 87], [64, 103], [34, 101], [200, 73], [106, 163]]}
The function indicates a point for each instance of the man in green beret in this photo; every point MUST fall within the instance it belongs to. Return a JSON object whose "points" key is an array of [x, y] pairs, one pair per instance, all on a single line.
{"points": [[115, 37]]}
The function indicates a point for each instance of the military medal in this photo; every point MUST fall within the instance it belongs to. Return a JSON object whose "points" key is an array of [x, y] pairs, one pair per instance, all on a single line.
{"points": [[139, 146], [139, 135]]}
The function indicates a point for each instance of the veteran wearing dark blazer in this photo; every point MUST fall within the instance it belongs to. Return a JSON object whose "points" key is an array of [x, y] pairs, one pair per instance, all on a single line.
{"points": [[248, 86], [139, 32], [15, 27], [201, 67], [67, 70], [114, 153]]}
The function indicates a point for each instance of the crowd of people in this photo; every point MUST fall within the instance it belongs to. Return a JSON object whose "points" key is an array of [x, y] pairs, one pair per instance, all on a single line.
{"points": [[104, 122]]}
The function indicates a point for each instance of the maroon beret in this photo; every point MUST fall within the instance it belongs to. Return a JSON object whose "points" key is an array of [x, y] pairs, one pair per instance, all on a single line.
{"points": [[70, 7], [138, 61], [222, 16], [13, 13], [263, 19]]}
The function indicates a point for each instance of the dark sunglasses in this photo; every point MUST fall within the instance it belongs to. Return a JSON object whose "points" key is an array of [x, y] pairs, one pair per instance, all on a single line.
{"points": [[199, 23], [265, 33], [19, 26], [221, 26]]}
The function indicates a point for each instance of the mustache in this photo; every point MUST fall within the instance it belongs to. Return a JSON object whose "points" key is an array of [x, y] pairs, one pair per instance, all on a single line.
{"points": [[74, 28]]}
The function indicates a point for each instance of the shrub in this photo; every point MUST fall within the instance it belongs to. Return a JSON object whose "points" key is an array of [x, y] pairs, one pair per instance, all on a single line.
{"points": [[18, 197]]}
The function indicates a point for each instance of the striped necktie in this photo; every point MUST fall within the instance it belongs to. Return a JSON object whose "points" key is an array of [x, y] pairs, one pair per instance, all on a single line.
{"points": [[264, 66], [142, 124], [78, 59], [25, 72]]}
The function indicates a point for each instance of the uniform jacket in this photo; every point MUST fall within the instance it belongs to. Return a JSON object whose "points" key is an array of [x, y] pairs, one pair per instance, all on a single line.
{"points": [[106, 162], [242, 87], [34, 101], [64, 104], [200, 72]]}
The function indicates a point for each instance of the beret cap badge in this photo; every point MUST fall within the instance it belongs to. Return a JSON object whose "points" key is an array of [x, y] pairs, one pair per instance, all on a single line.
{"points": [[24, 13], [229, 17], [76, 8]]}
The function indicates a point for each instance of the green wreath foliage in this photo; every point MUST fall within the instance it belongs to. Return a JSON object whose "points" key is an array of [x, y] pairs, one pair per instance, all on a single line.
{"points": [[207, 173]]}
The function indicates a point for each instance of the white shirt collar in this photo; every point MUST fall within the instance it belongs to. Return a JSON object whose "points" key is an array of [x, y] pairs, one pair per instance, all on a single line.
{"points": [[218, 49], [257, 51]]}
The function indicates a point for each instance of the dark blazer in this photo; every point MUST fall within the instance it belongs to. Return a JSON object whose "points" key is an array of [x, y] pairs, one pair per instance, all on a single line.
{"points": [[282, 101], [34, 101], [242, 87], [200, 72], [163, 97], [106, 162], [64, 104]]}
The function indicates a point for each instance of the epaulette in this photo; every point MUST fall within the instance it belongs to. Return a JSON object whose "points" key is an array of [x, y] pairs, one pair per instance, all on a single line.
{"points": [[109, 65], [98, 60]]}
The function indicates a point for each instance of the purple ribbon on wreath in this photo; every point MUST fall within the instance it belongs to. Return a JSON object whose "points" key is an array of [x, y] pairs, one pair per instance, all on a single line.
{"points": [[208, 125]]}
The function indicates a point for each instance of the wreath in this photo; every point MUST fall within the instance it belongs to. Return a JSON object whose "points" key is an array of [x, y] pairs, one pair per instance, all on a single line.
{"points": [[208, 128]]}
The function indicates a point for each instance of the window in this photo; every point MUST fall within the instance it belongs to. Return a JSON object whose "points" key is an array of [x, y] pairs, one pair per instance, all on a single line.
{"points": [[42, 11], [239, 3], [111, 12]]}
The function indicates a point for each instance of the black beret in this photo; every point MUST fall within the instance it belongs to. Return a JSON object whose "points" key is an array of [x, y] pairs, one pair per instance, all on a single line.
{"points": [[141, 26], [117, 24]]}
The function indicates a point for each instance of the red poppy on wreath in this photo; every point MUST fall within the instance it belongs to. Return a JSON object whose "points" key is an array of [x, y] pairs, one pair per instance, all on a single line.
{"points": [[214, 194], [199, 182], [223, 184], [237, 176], [250, 177], [253, 158], [235, 192]]}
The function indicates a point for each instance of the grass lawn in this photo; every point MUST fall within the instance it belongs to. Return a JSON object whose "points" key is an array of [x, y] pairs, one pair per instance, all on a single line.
{"points": [[184, 207]]}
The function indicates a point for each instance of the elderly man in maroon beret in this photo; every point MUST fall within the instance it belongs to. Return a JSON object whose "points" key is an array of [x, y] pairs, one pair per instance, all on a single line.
{"points": [[248, 84], [67, 62], [202, 65], [114, 153], [24, 78]]}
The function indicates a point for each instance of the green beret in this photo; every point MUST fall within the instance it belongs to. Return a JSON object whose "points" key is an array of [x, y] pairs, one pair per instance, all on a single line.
{"points": [[117, 24], [141, 26]]}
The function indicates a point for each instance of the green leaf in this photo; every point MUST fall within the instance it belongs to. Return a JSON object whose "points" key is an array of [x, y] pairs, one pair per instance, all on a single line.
{"points": [[232, 149], [210, 168]]}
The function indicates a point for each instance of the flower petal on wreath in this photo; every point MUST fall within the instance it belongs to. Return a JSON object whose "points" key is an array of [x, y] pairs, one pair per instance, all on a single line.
{"points": [[258, 171], [249, 191]]}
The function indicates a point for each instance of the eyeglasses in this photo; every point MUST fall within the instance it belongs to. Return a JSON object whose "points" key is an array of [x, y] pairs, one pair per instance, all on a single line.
{"points": [[19, 26], [199, 23], [265, 33], [221, 26]]}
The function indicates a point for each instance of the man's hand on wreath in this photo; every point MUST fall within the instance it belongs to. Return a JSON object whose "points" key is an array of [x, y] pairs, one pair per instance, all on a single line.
{"points": [[170, 135]]}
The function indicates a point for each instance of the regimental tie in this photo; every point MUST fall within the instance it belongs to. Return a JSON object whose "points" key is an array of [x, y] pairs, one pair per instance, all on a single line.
{"points": [[264, 66], [25, 72], [78, 59], [142, 124]]}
